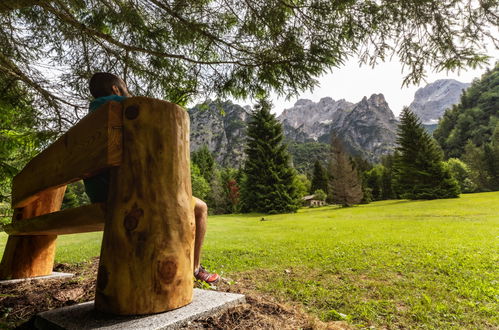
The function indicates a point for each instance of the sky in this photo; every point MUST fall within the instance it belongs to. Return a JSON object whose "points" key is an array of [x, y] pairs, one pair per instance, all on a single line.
{"points": [[352, 83]]}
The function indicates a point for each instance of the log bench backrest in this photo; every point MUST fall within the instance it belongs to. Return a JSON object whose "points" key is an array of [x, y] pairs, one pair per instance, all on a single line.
{"points": [[94, 144]]}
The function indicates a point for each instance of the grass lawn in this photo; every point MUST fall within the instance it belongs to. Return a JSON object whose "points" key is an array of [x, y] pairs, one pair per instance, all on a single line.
{"points": [[387, 264]]}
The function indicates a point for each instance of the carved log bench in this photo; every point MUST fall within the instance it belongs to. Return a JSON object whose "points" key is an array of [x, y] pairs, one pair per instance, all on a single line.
{"points": [[148, 221]]}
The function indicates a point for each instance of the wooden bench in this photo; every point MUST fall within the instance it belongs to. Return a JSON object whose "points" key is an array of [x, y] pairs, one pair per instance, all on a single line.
{"points": [[148, 221]]}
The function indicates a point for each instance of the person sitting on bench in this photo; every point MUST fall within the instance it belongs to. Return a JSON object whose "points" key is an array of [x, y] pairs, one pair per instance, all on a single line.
{"points": [[106, 87]]}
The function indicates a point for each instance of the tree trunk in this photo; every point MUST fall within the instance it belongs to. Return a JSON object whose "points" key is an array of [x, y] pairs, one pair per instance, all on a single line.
{"points": [[29, 256], [147, 249]]}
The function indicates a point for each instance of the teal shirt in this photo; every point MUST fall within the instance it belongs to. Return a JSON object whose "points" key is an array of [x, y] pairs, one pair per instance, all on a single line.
{"points": [[97, 187]]}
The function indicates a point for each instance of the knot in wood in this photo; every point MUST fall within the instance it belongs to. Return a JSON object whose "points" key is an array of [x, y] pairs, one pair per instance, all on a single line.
{"points": [[132, 112], [167, 270], [131, 220]]}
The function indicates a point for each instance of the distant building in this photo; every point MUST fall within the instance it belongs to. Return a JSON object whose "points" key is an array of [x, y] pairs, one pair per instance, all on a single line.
{"points": [[310, 201]]}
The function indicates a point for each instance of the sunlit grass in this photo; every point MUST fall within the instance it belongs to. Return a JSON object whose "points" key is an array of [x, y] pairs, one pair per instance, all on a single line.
{"points": [[392, 263]]}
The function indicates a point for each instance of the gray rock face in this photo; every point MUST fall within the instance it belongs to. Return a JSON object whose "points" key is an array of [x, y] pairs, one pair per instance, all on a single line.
{"points": [[313, 120], [431, 101], [370, 128], [367, 128], [222, 127]]}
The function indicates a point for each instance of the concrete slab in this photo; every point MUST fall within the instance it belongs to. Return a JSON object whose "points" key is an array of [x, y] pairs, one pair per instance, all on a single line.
{"points": [[83, 316], [53, 276]]}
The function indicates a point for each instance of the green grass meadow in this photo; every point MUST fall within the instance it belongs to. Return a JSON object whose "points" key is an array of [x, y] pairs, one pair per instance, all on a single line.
{"points": [[393, 264]]}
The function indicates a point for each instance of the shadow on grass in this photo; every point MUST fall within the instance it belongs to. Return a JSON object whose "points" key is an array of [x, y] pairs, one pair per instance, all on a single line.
{"points": [[326, 208], [392, 202]]}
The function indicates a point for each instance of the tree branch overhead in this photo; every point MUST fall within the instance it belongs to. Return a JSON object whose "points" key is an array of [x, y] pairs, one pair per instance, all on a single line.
{"points": [[177, 49]]}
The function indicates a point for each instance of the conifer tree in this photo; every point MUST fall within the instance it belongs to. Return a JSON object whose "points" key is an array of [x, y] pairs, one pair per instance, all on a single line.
{"points": [[491, 152], [345, 182], [388, 192], [204, 160], [419, 169], [268, 185], [319, 178]]}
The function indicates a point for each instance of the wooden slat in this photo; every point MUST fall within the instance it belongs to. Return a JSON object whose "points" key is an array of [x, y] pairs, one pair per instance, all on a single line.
{"points": [[70, 221], [92, 145]]}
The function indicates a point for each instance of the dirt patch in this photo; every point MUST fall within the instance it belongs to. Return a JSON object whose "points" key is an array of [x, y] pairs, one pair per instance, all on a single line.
{"points": [[259, 313], [19, 303]]}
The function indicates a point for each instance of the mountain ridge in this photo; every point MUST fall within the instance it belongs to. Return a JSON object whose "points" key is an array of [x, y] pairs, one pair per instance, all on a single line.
{"points": [[431, 101], [368, 127], [352, 122]]}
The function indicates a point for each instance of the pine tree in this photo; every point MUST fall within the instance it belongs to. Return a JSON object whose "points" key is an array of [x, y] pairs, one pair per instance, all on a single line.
{"points": [[204, 160], [419, 169], [319, 178], [491, 152], [388, 192], [345, 183], [374, 181], [268, 186]]}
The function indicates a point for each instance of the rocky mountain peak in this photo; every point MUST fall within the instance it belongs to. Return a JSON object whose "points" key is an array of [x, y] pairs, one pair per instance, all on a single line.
{"points": [[431, 101], [367, 127], [302, 102], [370, 128], [376, 105], [326, 100], [308, 120], [378, 100], [220, 125]]}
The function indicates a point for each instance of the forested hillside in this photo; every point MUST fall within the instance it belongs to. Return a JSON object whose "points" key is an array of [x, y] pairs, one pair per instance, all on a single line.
{"points": [[474, 118], [20, 135]]}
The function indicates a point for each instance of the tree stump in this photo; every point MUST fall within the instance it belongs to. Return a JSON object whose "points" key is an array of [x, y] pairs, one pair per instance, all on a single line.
{"points": [[147, 250], [29, 256]]}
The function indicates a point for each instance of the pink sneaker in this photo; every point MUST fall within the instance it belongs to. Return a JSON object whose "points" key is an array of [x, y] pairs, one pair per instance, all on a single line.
{"points": [[202, 274]]}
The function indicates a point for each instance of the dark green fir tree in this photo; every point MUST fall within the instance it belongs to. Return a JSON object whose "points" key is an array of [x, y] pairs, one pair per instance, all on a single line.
{"points": [[344, 180], [268, 184], [204, 160], [319, 178], [419, 169], [491, 151]]}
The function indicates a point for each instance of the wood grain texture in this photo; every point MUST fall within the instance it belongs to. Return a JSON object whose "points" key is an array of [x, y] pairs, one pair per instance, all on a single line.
{"points": [[147, 249], [29, 256], [81, 219], [94, 144]]}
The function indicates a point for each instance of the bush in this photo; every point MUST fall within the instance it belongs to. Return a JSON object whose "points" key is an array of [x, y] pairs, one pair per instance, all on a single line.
{"points": [[319, 194]]}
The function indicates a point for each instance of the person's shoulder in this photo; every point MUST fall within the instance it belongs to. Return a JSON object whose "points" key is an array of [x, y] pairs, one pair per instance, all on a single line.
{"points": [[96, 103], [115, 98]]}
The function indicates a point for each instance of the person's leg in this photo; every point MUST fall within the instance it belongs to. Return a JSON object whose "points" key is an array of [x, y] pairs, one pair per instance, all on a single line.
{"points": [[201, 215]]}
